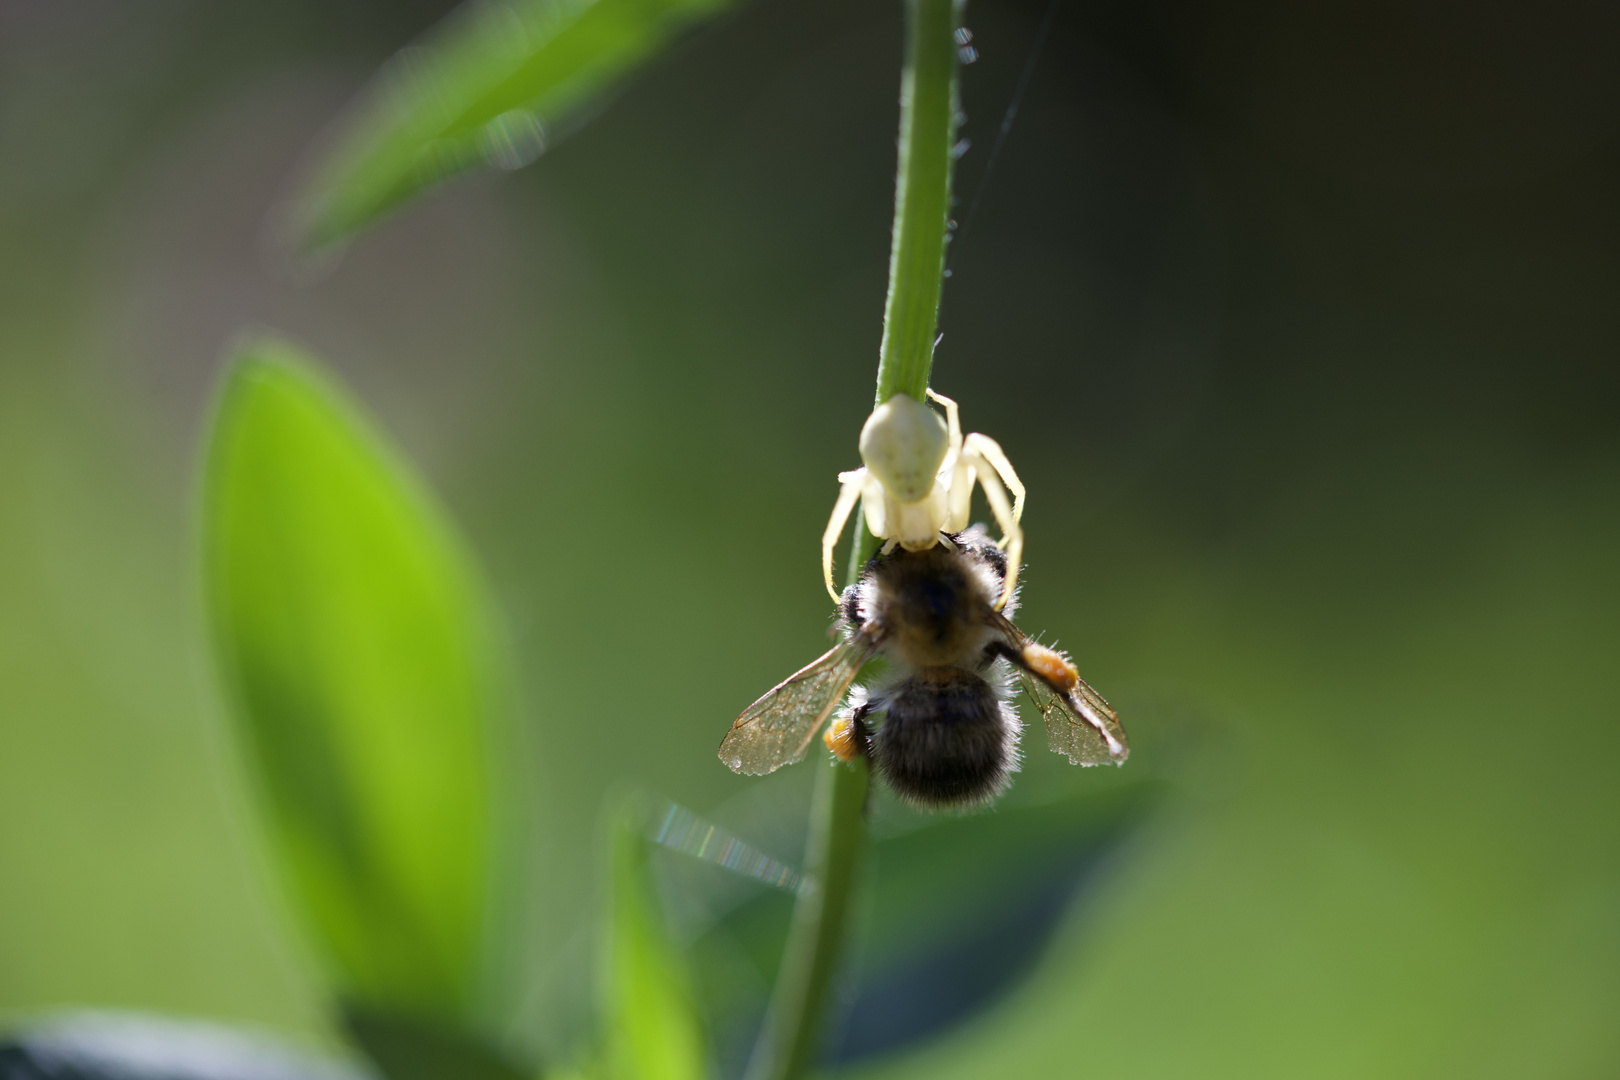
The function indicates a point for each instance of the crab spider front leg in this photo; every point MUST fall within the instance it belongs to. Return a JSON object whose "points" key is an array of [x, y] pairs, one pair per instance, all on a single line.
{"points": [[1012, 533], [853, 481], [990, 451], [983, 462], [986, 447], [953, 428]]}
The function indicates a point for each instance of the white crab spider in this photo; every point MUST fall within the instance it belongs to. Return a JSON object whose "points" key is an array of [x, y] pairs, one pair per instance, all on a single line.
{"points": [[918, 483]]}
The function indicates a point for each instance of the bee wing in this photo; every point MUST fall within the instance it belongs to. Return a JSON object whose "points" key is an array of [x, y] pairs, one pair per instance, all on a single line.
{"points": [[1079, 724], [775, 730]]}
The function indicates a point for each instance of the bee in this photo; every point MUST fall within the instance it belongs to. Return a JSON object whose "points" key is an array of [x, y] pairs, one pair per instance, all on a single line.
{"points": [[939, 726]]}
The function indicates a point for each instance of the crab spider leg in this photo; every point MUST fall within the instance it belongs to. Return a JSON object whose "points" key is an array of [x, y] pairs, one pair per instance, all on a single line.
{"points": [[959, 498], [853, 482], [1013, 534], [953, 425], [875, 506], [973, 467], [990, 450]]}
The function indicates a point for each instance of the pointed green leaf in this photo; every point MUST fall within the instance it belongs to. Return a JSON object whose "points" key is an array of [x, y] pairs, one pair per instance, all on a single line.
{"points": [[491, 87], [651, 1023], [353, 643]]}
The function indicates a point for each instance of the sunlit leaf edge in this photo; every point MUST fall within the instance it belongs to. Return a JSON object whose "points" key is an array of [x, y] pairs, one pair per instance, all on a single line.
{"points": [[471, 97], [256, 356], [651, 1025]]}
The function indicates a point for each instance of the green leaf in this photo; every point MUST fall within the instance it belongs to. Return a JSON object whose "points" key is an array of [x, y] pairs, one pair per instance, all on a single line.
{"points": [[354, 644], [493, 86], [651, 1023], [957, 910], [409, 1048], [116, 1045]]}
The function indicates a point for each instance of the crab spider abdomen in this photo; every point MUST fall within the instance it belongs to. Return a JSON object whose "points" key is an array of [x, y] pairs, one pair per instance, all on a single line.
{"points": [[903, 444]]}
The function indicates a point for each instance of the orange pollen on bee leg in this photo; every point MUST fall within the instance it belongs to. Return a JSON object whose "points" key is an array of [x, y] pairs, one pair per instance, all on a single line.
{"points": [[1052, 666], [840, 738]]}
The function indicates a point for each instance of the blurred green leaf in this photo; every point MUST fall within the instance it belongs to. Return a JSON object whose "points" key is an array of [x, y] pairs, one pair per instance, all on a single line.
{"points": [[650, 1018], [354, 644], [107, 1045], [493, 86], [932, 884], [959, 910], [409, 1048]]}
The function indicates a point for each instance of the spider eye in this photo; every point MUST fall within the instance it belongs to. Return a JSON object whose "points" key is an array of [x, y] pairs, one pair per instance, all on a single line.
{"points": [[903, 444]]}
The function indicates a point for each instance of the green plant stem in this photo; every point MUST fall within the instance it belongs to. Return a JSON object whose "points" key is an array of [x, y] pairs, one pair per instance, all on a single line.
{"points": [[816, 938], [922, 198], [788, 1043], [928, 107]]}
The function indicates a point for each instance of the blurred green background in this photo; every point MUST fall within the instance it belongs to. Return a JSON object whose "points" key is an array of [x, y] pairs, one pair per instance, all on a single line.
{"points": [[1299, 323]]}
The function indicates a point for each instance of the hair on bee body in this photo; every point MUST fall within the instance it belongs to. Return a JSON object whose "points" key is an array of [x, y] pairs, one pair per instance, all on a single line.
{"points": [[939, 727], [948, 737]]}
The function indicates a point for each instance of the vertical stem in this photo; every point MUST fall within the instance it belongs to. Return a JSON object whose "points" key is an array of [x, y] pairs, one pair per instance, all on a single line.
{"points": [[789, 1041], [815, 944], [922, 198], [928, 107]]}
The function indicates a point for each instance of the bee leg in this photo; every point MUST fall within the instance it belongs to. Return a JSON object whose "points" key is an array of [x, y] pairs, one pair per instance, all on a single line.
{"points": [[1013, 655], [862, 732], [861, 737], [848, 737]]}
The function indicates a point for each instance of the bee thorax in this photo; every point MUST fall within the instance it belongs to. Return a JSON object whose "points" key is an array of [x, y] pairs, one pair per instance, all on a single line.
{"points": [[932, 607]]}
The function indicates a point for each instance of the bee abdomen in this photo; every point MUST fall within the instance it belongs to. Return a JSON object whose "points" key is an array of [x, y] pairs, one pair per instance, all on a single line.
{"points": [[947, 739]]}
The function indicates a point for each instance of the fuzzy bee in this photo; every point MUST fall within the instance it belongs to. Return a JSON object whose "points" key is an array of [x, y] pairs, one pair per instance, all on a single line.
{"points": [[939, 726]]}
